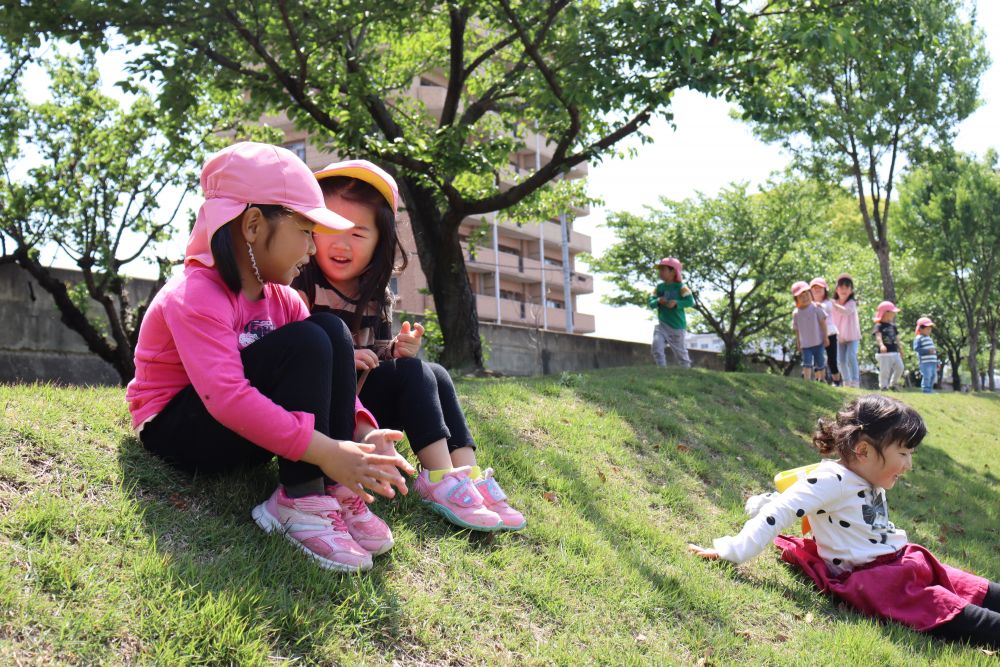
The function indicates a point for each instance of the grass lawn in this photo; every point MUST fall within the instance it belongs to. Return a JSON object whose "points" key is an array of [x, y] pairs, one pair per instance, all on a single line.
{"points": [[109, 557]]}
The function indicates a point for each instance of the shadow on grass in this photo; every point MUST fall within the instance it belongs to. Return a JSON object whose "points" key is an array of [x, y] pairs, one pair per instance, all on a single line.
{"points": [[214, 551], [732, 434]]}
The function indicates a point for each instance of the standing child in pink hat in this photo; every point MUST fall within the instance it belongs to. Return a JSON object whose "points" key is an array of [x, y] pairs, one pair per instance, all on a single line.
{"points": [[926, 354], [809, 323], [890, 362], [231, 370], [670, 298], [821, 297], [349, 277], [845, 316]]}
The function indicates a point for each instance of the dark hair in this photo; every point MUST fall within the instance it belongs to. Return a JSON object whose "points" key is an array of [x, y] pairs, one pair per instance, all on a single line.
{"points": [[845, 279], [374, 282], [223, 249], [877, 419]]}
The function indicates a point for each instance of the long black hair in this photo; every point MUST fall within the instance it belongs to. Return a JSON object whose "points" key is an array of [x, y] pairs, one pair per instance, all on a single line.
{"points": [[224, 250], [373, 285], [845, 279]]}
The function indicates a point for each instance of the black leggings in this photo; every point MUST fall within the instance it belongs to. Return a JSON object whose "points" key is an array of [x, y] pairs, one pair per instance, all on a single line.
{"points": [[418, 398], [293, 366], [976, 624], [831, 356]]}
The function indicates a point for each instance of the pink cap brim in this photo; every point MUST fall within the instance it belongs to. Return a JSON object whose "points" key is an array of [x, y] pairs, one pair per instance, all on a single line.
{"points": [[328, 222]]}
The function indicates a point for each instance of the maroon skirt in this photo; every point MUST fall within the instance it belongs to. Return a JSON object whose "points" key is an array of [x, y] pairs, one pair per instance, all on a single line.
{"points": [[910, 586]]}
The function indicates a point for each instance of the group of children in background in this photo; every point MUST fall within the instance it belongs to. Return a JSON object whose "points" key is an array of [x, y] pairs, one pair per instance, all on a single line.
{"points": [[827, 331], [276, 340]]}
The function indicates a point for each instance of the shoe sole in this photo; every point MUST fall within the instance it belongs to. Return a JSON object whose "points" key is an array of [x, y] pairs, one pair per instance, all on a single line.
{"points": [[521, 526], [379, 552], [269, 524], [453, 518]]}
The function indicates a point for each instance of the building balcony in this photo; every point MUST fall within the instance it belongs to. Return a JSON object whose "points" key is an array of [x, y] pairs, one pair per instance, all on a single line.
{"points": [[513, 267], [553, 234], [518, 313]]}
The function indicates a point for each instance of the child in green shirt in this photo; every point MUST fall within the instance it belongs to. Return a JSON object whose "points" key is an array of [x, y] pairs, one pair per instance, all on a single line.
{"points": [[670, 298]]}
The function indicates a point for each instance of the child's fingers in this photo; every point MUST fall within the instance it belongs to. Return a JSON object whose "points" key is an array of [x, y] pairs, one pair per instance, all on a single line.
{"points": [[418, 329], [391, 462], [404, 329], [387, 433]]}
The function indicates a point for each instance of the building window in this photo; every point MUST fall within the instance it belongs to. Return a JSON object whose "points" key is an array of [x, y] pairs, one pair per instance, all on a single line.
{"points": [[487, 284], [555, 304], [512, 295], [553, 262], [394, 285], [297, 147], [510, 250]]}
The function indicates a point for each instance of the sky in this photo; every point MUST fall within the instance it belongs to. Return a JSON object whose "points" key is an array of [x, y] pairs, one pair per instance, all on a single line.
{"points": [[706, 150]]}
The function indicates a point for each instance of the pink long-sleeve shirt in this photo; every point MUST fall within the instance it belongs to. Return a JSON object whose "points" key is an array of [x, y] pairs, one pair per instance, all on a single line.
{"points": [[192, 334]]}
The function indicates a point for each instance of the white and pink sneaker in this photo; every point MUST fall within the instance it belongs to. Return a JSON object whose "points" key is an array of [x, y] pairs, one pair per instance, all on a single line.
{"points": [[455, 498], [496, 500], [368, 530], [316, 526]]}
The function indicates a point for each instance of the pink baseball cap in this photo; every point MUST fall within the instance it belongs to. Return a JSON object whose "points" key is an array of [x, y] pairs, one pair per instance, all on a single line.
{"points": [[363, 170], [252, 173], [923, 322], [818, 281], [883, 308], [799, 287], [673, 263]]}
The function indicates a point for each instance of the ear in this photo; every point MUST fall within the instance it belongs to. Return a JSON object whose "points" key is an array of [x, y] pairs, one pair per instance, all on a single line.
{"points": [[252, 224], [861, 449]]}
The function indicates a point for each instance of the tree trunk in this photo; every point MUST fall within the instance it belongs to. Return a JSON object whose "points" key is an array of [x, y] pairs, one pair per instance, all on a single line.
{"points": [[956, 380], [992, 366], [443, 264], [75, 319], [888, 285], [973, 361], [732, 355]]}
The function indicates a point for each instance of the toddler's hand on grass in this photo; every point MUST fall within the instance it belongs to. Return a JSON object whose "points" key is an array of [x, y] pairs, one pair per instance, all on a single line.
{"points": [[702, 552], [408, 340]]}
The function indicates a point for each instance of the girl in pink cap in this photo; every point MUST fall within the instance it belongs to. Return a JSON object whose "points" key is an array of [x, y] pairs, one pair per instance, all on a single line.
{"points": [[856, 552], [890, 362], [231, 369], [349, 277], [670, 298], [821, 297]]}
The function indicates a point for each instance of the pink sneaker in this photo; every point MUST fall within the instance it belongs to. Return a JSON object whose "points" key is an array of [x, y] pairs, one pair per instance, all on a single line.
{"points": [[496, 500], [314, 524], [367, 529], [456, 499]]}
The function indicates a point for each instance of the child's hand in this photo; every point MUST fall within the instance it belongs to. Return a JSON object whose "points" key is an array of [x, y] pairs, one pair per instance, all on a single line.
{"points": [[702, 552], [365, 360], [671, 304], [385, 440], [662, 301], [883, 349], [408, 340], [356, 466]]}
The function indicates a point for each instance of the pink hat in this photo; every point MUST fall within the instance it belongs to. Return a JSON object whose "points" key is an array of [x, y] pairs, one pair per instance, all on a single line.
{"points": [[252, 173], [799, 287], [363, 170], [818, 281], [673, 263], [883, 308], [923, 322]]}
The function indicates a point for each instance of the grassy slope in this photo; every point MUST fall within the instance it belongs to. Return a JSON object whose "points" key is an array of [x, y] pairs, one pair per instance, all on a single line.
{"points": [[108, 556]]}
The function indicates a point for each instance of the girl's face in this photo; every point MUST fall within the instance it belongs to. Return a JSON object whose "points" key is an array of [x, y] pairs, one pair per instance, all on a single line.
{"points": [[803, 299], [888, 316], [281, 256], [667, 274], [344, 257], [883, 471], [818, 293], [844, 291]]}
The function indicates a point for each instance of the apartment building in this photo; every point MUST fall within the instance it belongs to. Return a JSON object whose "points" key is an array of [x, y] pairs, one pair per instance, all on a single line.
{"points": [[521, 274]]}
